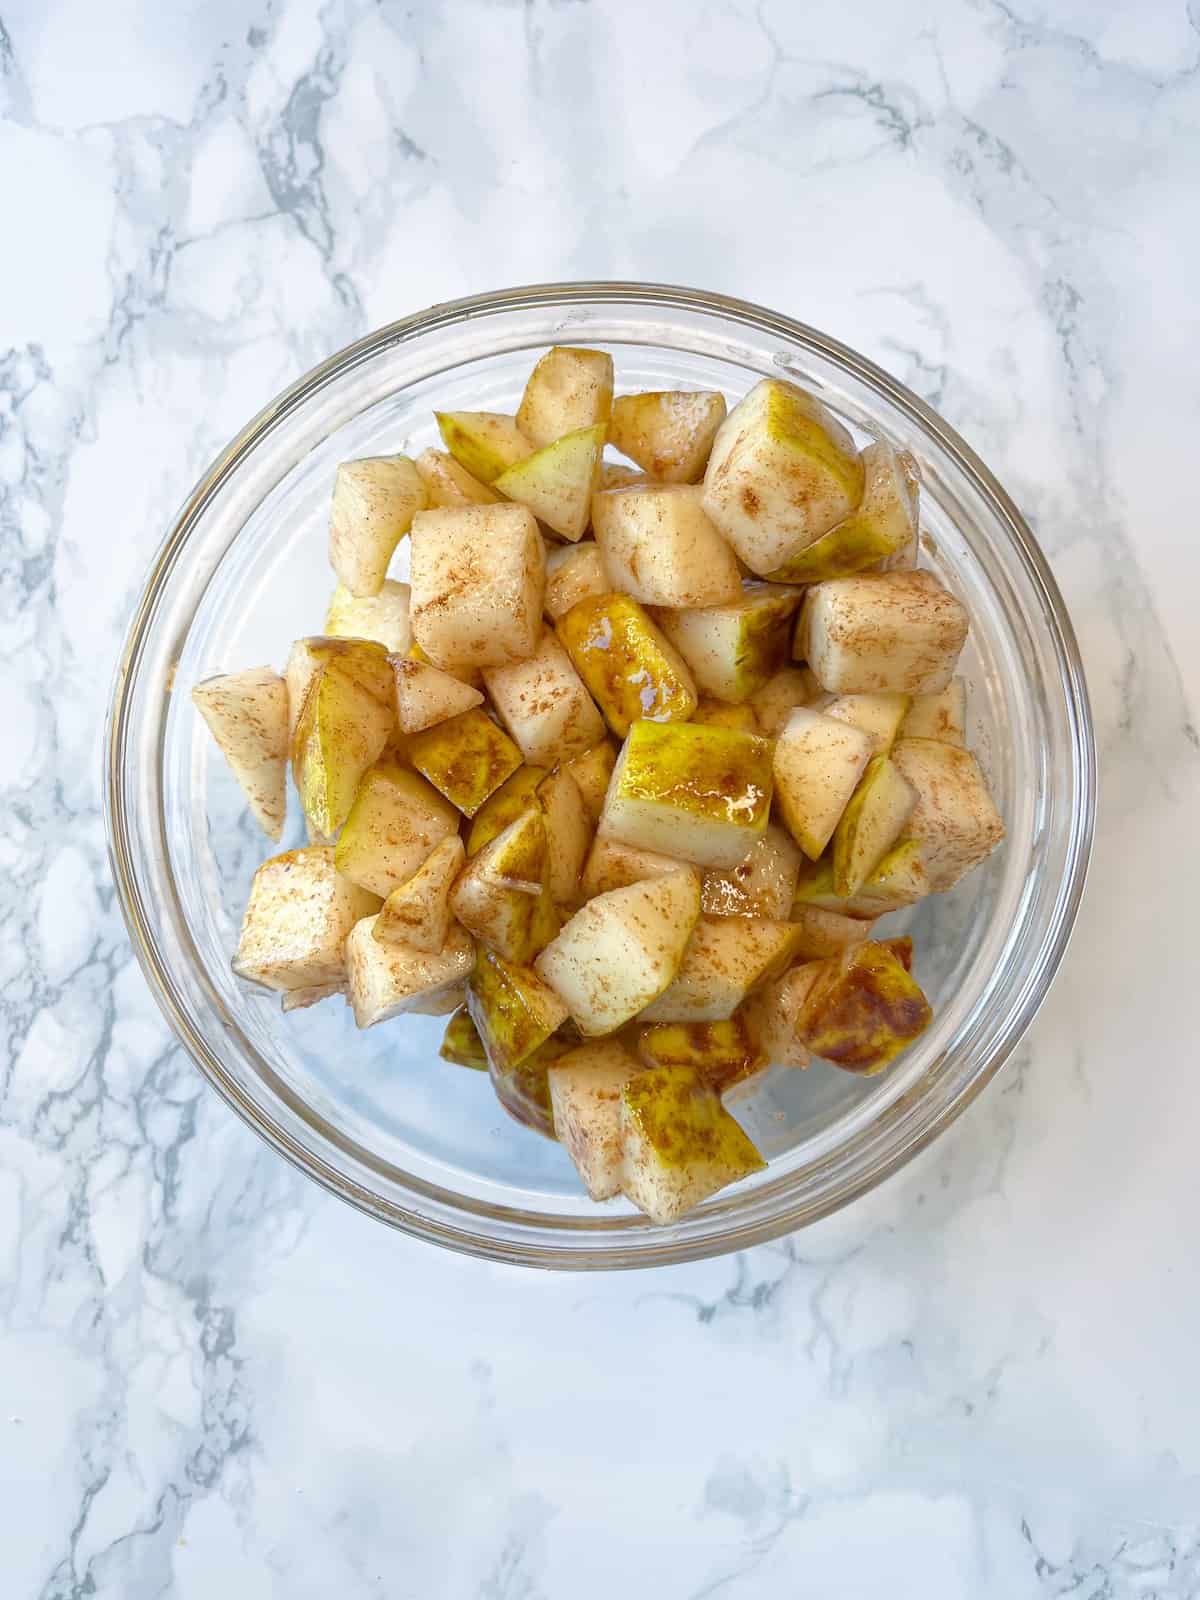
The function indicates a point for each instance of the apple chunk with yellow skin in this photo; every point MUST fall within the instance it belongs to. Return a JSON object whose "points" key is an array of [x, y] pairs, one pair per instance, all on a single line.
{"points": [[568, 834], [574, 573], [863, 1010], [558, 481], [514, 1011], [668, 432], [883, 523], [426, 694], [396, 821], [660, 548], [955, 821], [720, 714], [418, 912], [568, 389], [544, 704], [622, 950], [726, 1053], [342, 729], [449, 484], [735, 649], [484, 443], [898, 632], [630, 669], [818, 762], [382, 617], [898, 881], [363, 660], [773, 1015], [514, 796], [763, 885], [940, 716], [466, 758], [585, 1094], [725, 959], [702, 794], [870, 825], [374, 502], [247, 714], [297, 918], [782, 472], [680, 1143], [478, 576], [496, 896], [461, 1043], [387, 979]]}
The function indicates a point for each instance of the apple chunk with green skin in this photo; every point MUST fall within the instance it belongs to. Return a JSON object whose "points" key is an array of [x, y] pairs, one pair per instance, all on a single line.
{"points": [[466, 758], [863, 1009], [558, 481], [897, 632], [496, 896], [898, 881], [514, 1011], [725, 1053], [871, 823], [782, 472], [484, 443], [938, 716], [700, 793], [382, 617], [387, 979], [668, 432], [818, 762], [449, 484], [374, 503], [726, 957], [297, 919], [630, 669], [514, 796], [247, 715], [660, 548], [680, 1143], [394, 824], [461, 1043], [418, 912], [622, 950], [569, 388], [544, 704], [585, 1093], [478, 576], [362, 660], [341, 731], [735, 649], [883, 523], [955, 821]]}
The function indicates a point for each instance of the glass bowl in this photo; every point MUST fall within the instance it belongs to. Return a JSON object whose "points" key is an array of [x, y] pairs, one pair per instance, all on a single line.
{"points": [[377, 1117]]}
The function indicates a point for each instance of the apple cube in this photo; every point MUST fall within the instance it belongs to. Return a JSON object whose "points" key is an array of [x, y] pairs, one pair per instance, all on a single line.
{"points": [[466, 758], [478, 576], [418, 912], [568, 834], [496, 895], [342, 729], [395, 823], [247, 714], [660, 548], [883, 523], [821, 933], [364, 660], [735, 649], [544, 705], [591, 772], [863, 1010], [893, 631], [296, 921], [720, 714], [955, 820], [879, 715], [574, 573], [940, 716], [818, 762], [461, 1043], [382, 617], [616, 475], [782, 472], [449, 484], [611, 865], [374, 502], [763, 885], [725, 1053], [680, 1143], [484, 443], [628, 666], [870, 825], [668, 432], [569, 389], [725, 959], [514, 796], [514, 1011], [774, 703], [773, 1015], [585, 1094], [898, 881], [558, 481], [386, 979], [426, 695]]}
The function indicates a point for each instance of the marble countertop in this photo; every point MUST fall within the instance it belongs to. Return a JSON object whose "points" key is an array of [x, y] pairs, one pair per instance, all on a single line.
{"points": [[979, 1381]]}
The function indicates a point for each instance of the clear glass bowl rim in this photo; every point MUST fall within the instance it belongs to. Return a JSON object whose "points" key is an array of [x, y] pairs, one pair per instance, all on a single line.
{"points": [[503, 1241]]}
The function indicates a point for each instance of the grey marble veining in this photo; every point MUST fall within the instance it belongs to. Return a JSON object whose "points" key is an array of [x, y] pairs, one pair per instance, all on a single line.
{"points": [[980, 1381]]}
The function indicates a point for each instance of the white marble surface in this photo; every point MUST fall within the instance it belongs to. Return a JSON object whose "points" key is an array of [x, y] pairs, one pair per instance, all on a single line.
{"points": [[982, 1380]]}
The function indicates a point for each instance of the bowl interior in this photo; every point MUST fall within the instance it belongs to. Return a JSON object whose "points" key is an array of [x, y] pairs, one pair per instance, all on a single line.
{"points": [[377, 1114]]}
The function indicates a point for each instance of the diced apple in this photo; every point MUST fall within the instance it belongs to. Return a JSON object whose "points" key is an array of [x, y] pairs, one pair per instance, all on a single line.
{"points": [[700, 793], [466, 758], [363, 660], [630, 669], [773, 1015], [725, 1053], [940, 716], [449, 484], [374, 502], [514, 1011], [879, 715], [883, 523], [725, 959], [568, 834], [863, 1010], [557, 482], [568, 389], [478, 578], [395, 823], [668, 432], [660, 548], [296, 921], [782, 472], [616, 475], [622, 950], [871, 823], [721, 714], [821, 933], [763, 885], [818, 762], [515, 795], [611, 865], [893, 631], [247, 715], [301, 999], [774, 703], [471, 676], [382, 617], [680, 1143], [461, 1043], [496, 895], [418, 911], [544, 704], [524, 1090], [484, 443], [955, 820], [734, 650], [591, 772], [388, 979], [585, 1094], [426, 695], [342, 729], [574, 573], [898, 881]]}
